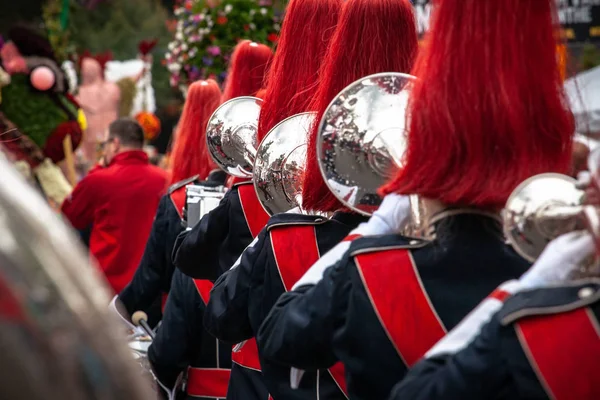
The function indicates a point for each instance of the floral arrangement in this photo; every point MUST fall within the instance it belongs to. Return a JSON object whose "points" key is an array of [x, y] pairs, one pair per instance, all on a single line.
{"points": [[150, 124], [206, 31]]}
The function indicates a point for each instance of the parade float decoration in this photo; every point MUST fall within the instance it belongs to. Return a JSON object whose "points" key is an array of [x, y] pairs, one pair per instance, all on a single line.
{"points": [[40, 121], [206, 31]]}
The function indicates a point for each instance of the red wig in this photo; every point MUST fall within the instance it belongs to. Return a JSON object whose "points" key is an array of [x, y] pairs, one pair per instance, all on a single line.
{"points": [[190, 153], [293, 78], [372, 36], [489, 109], [247, 69]]}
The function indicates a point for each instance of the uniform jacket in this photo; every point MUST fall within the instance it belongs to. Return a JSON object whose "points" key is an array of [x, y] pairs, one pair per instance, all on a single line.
{"points": [[119, 202], [243, 296], [388, 300], [183, 345], [215, 243], [543, 344], [152, 279]]}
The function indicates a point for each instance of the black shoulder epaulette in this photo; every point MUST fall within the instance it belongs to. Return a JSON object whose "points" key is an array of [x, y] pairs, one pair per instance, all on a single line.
{"points": [[372, 244], [182, 183], [550, 300], [285, 219]]}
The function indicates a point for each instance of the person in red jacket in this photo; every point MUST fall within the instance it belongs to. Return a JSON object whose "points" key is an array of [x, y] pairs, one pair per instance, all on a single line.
{"points": [[119, 201]]}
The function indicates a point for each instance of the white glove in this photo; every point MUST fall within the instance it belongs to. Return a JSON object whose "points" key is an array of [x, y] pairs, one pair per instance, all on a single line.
{"points": [[391, 217], [561, 257]]}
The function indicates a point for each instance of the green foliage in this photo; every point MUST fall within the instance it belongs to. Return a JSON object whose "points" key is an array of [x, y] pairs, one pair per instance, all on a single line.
{"points": [[208, 30], [35, 114], [590, 57]]}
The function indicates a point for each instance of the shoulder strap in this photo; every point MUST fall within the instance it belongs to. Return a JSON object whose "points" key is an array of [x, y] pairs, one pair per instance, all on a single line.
{"points": [[255, 215], [178, 198], [403, 308], [295, 249], [204, 287], [563, 351]]}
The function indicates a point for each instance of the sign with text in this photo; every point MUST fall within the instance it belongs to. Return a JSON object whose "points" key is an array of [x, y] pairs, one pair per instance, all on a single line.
{"points": [[580, 19]]}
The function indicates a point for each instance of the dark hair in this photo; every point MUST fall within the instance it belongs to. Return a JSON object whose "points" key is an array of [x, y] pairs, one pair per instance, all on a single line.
{"points": [[129, 132]]}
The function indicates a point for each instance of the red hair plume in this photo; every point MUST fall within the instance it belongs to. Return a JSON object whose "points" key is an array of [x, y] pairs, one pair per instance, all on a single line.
{"points": [[247, 69], [293, 78], [372, 36], [190, 152], [489, 110]]}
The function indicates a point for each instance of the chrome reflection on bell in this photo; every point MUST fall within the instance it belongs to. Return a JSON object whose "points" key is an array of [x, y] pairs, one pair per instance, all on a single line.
{"points": [[539, 210], [231, 134], [280, 164], [362, 138], [57, 337]]}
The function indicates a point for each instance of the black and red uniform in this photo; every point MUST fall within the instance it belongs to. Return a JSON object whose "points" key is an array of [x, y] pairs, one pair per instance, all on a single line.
{"points": [[543, 344], [243, 296], [152, 280], [389, 300], [209, 250], [183, 347]]}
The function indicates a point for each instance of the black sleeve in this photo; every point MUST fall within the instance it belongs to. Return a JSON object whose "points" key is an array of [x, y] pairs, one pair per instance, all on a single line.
{"points": [[227, 313], [200, 247], [145, 287], [300, 328], [181, 326], [477, 372]]}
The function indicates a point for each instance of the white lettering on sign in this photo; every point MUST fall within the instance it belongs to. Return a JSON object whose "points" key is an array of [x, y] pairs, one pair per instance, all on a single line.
{"points": [[576, 11]]}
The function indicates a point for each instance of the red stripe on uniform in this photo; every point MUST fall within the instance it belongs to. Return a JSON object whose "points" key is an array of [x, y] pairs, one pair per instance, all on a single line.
{"points": [[208, 382], [499, 294], [247, 356], [203, 287], [400, 302], [255, 215], [178, 198], [564, 350], [352, 237], [296, 249]]}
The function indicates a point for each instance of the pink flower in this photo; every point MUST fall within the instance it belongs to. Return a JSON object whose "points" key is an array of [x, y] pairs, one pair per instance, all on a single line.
{"points": [[213, 50]]}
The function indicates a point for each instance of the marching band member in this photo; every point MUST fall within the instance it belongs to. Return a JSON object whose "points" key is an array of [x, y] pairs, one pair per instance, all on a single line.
{"points": [[214, 244], [542, 344], [183, 346], [291, 242], [487, 112], [191, 163], [291, 84]]}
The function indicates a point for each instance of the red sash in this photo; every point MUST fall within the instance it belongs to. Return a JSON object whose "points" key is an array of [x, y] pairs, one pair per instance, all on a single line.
{"points": [[178, 198], [295, 249], [208, 382], [400, 302], [204, 287], [247, 356], [163, 301], [563, 351], [255, 215]]}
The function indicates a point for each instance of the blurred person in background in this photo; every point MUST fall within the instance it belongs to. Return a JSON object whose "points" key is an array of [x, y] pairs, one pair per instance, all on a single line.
{"points": [[118, 199]]}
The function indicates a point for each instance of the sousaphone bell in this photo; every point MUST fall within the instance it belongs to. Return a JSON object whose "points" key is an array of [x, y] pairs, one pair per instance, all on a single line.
{"points": [[362, 140], [231, 135], [545, 207], [280, 164]]}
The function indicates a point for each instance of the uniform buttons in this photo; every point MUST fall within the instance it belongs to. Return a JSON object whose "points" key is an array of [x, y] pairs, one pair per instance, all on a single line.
{"points": [[585, 292]]}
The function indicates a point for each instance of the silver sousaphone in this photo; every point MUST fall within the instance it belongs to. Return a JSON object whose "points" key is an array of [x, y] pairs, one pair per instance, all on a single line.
{"points": [[280, 164], [231, 134], [362, 141]]}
